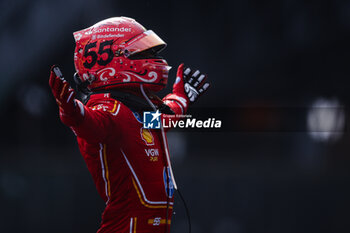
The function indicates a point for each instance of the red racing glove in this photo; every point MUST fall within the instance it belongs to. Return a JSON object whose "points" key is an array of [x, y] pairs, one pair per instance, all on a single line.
{"points": [[188, 87], [64, 96]]}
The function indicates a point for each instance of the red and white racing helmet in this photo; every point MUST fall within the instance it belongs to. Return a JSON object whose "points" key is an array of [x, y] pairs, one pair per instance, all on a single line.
{"points": [[120, 53]]}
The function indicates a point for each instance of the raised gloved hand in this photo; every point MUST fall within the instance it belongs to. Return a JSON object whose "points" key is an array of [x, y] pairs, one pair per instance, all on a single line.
{"points": [[188, 87], [192, 83], [195, 84], [62, 92]]}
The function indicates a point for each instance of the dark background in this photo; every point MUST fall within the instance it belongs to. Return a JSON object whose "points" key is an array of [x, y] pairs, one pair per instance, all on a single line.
{"points": [[253, 178]]}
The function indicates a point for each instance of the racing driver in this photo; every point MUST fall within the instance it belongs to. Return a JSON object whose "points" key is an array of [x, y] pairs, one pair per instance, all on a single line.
{"points": [[118, 70]]}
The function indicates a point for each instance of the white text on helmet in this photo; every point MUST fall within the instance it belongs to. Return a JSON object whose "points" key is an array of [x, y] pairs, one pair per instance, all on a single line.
{"points": [[122, 29]]}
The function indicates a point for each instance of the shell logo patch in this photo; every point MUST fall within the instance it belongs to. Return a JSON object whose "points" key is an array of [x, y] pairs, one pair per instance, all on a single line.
{"points": [[147, 136]]}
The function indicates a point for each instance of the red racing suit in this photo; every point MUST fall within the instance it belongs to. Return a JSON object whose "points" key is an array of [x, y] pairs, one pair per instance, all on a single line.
{"points": [[127, 163]]}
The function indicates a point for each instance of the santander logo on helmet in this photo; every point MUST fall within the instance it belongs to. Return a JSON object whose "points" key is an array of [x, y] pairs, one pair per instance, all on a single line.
{"points": [[120, 53]]}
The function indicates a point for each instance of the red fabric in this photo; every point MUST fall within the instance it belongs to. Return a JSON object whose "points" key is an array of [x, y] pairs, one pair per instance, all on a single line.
{"points": [[178, 94], [127, 165]]}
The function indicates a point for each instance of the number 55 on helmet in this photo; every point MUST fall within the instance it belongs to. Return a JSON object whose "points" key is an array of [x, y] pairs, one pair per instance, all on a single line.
{"points": [[120, 53]]}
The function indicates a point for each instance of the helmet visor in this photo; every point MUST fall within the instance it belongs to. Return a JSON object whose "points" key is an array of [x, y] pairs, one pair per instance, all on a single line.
{"points": [[142, 42]]}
